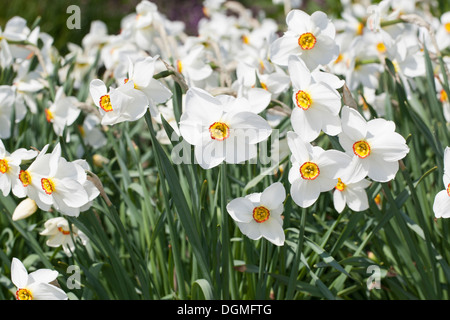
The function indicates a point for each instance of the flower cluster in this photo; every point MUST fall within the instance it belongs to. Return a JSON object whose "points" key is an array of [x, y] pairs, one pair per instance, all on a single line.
{"points": [[237, 82]]}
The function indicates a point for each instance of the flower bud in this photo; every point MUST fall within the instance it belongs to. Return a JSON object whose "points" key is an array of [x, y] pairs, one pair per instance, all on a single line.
{"points": [[25, 209]]}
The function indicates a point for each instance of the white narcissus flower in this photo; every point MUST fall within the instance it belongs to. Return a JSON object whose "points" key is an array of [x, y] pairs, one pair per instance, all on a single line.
{"points": [[97, 36], [375, 143], [193, 65], [91, 133], [141, 73], [29, 183], [6, 110], [82, 167], [53, 181], [36, 285], [60, 234], [10, 166], [219, 135], [310, 37], [62, 112], [62, 186], [317, 103], [443, 31], [350, 191], [147, 17], [314, 170], [118, 105], [441, 205], [259, 214], [377, 13]]}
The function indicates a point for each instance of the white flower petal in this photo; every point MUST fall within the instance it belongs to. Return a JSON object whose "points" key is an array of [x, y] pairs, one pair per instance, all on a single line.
{"points": [[353, 124], [272, 231], [19, 274], [241, 210], [305, 193], [338, 200], [441, 205], [381, 170], [273, 196]]}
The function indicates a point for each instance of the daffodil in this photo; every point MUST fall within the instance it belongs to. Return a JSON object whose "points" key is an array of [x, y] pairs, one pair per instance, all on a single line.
{"points": [[259, 214], [35, 285], [192, 64], [141, 74], [62, 112], [441, 204], [350, 191], [375, 143], [91, 133], [6, 110], [60, 234], [219, 135], [10, 166], [29, 184], [309, 36], [118, 105], [62, 186], [317, 104], [51, 180], [314, 170]]}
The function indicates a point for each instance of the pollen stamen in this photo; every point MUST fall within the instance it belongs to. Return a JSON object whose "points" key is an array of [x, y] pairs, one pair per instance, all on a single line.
{"points": [[361, 149], [24, 294], [340, 186], [179, 66], [48, 115], [105, 103], [48, 185], [4, 167], [303, 100], [219, 131], [25, 178], [309, 171], [261, 214], [64, 232], [307, 41]]}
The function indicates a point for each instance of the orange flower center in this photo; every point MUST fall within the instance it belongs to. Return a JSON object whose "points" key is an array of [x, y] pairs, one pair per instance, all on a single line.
{"points": [[443, 97], [179, 66], [47, 185], [361, 149], [307, 41], [64, 232], [25, 178], [261, 214], [447, 27], [303, 100], [105, 103], [4, 167], [24, 294], [340, 185], [309, 171], [219, 131], [48, 115]]}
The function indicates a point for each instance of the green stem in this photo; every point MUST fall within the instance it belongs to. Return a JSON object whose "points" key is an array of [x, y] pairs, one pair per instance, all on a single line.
{"points": [[175, 250], [225, 233], [296, 263], [391, 22], [260, 294]]}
